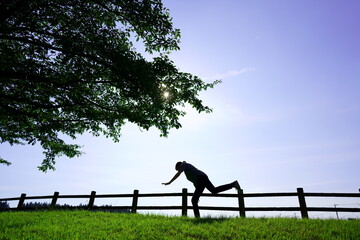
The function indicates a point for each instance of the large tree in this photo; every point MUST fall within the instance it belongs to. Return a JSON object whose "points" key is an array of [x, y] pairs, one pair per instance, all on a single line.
{"points": [[69, 67]]}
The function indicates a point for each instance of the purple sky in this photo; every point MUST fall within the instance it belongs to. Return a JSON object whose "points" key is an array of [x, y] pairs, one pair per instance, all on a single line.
{"points": [[286, 115]]}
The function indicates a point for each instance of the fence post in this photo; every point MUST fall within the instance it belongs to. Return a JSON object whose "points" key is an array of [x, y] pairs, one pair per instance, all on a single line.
{"points": [[241, 203], [91, 200], [135, 201], [54, 199], [302, 202], [21, 201], [184, 202]]}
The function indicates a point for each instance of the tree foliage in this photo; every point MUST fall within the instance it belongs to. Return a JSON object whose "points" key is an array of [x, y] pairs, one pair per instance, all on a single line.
{"points": [[69, 67]]}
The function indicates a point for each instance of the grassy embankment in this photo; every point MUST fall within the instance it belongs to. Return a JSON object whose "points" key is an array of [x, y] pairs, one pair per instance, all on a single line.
{"points": [[100, 225]]}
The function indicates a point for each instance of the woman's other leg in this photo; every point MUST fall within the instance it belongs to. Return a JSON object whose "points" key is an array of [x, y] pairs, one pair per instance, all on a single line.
{"points": [[195, 199]]}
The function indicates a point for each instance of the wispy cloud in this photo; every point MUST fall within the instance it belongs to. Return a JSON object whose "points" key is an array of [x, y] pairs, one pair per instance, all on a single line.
{"points": [[229, 74]]}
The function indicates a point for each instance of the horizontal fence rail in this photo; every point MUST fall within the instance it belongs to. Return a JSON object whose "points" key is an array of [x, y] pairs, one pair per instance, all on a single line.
{"points": [[184, 207]]}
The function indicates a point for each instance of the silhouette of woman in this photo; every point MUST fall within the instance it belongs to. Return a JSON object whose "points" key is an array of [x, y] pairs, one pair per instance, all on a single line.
{"points": [[200, 181]]}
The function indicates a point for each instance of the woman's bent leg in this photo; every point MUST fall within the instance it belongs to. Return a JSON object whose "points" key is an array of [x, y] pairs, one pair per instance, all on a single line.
{"points": [[222, 188]]}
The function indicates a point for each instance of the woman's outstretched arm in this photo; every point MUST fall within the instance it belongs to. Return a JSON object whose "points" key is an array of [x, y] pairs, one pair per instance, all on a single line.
{"points": [[174, 178]]}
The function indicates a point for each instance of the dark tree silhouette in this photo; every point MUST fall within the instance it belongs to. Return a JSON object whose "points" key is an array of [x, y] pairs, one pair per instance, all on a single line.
{"points": [[69, 67], [4, 205]]}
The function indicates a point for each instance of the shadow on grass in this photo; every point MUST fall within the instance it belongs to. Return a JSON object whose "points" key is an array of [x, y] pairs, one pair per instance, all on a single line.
{"points": [[209, 220]]}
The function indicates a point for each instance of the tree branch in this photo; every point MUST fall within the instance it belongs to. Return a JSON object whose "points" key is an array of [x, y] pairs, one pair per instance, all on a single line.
{"points": [[49, 46]]}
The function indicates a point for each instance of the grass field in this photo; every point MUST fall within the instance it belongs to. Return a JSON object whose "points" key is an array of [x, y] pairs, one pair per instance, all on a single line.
{"points": [[102, 225]]}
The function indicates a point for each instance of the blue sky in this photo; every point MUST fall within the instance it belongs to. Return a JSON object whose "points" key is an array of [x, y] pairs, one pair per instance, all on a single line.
{"points": [[286, 115]]}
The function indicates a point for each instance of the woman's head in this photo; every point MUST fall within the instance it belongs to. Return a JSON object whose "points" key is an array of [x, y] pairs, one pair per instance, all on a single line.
{"points": [[178, 165]]}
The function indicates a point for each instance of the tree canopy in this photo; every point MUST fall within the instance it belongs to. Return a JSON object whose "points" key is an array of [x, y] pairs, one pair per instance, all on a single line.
{"points": [[70, 66]]}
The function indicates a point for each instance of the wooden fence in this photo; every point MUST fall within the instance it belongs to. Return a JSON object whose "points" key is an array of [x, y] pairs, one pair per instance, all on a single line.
{"points": [[184, 207]]}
